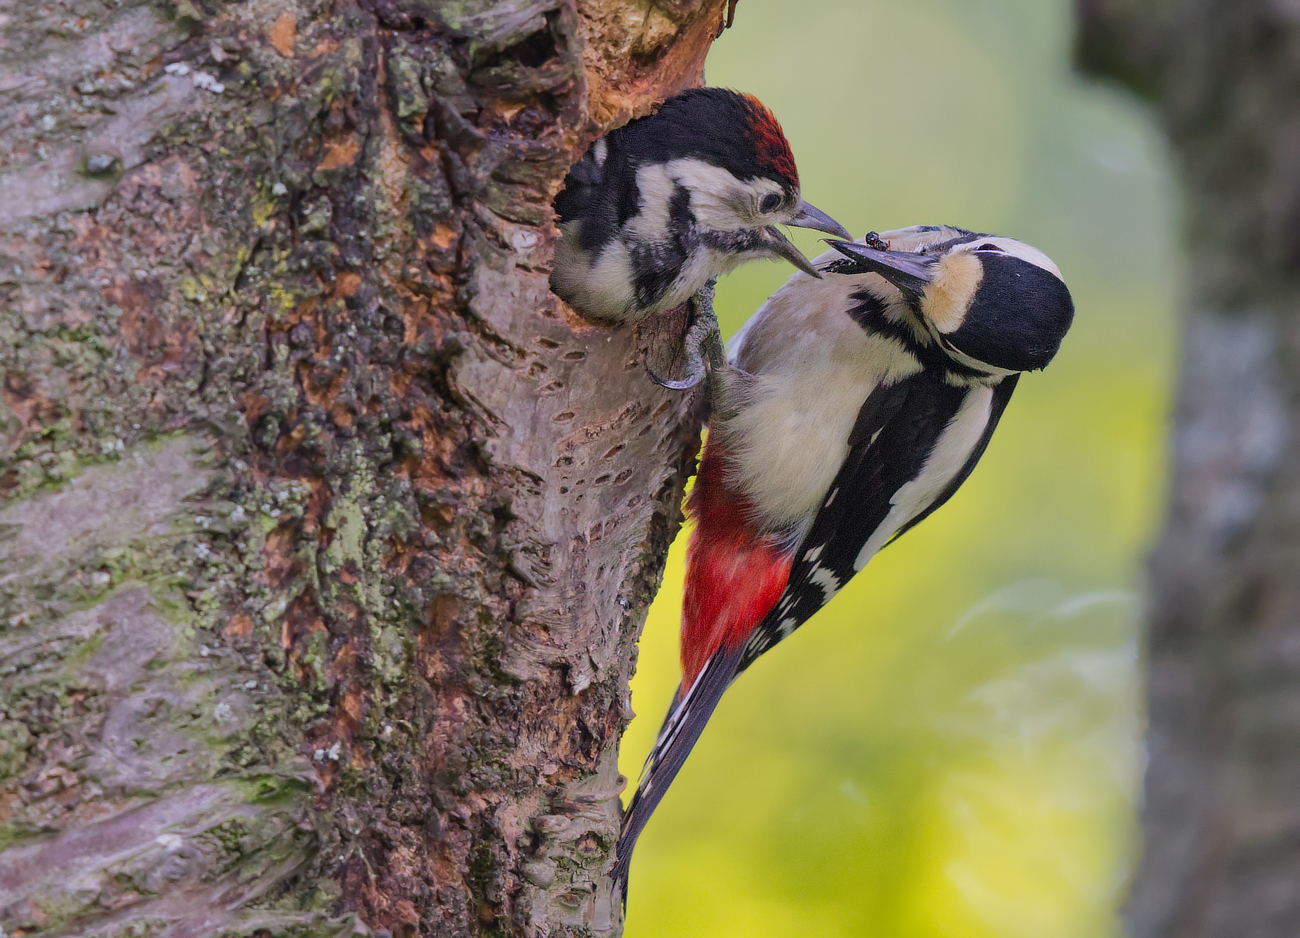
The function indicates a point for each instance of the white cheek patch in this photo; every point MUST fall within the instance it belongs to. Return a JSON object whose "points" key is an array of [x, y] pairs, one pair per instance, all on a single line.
{"points": [[718, 199]]}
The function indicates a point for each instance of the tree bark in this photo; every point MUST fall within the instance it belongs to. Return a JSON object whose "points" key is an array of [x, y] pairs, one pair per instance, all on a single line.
{"points": [[1221, 821], [326, 532]]}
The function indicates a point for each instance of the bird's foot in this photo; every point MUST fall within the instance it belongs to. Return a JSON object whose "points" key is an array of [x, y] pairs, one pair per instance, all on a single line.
{"points": [[702, 345]]}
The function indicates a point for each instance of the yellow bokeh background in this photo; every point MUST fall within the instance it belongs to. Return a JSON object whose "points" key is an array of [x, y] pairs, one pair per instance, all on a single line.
{"points": [[952, 747]]}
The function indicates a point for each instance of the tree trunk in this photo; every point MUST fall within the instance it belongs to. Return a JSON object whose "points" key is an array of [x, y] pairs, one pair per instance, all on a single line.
{"points": [[1221, 819], [326, 533]]}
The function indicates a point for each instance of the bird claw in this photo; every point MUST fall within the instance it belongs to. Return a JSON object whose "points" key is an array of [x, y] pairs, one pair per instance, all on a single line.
{"points": [[680, 384], [702, 345], [695, 369]]}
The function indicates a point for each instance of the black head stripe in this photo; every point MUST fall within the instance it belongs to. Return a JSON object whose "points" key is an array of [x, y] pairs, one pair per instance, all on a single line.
{"points": [[656, 264], [870, 312], [712, 124], [1018, 317]]}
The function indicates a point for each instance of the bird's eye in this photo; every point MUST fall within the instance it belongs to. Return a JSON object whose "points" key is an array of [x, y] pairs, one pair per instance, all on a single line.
{"points": [[770, 203], [990, 247]]}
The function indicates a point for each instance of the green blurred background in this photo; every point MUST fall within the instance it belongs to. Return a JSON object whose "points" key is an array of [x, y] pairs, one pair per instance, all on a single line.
{"points": [[952, 747]]}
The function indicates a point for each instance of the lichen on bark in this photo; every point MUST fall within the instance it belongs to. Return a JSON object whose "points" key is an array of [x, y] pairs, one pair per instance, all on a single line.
{"points": [[325, 531]]}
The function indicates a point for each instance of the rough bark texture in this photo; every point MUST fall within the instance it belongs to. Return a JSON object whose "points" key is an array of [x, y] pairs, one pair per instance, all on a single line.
{"points": [[325, 532], [1221, 817]]}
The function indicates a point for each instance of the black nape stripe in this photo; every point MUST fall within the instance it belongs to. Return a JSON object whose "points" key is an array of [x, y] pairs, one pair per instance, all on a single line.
{"points": [[871, 314]]}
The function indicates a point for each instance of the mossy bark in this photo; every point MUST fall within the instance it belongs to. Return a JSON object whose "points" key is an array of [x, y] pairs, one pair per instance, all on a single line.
{"points": [[1221, 856], [326, 533]]}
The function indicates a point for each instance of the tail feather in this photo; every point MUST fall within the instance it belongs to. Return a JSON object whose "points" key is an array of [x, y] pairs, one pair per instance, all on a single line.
{"points": [[677, 737]]}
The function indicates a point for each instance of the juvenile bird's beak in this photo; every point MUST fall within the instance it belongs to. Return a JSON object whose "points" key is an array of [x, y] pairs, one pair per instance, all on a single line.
{"points": [[809, 216], [905, 270], [778, 244]]}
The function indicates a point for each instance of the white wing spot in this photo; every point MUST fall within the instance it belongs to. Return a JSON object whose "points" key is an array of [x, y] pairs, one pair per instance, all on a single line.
{"points": [[827, 580]]}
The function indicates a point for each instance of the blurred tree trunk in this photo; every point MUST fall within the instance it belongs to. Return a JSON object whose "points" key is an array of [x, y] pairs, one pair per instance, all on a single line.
{"points": [[325, 533], [1221, 816]]}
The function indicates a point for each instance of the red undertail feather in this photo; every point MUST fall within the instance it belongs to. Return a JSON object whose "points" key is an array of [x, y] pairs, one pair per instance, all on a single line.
{"points": [[734, 575]]}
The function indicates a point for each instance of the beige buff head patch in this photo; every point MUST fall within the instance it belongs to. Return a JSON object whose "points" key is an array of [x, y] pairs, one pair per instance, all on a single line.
{"points": [[951, 292]]}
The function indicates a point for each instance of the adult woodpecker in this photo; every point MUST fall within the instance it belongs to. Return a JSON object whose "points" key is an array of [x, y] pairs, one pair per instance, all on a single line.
{"points": [[856, 406], [657, 209]]}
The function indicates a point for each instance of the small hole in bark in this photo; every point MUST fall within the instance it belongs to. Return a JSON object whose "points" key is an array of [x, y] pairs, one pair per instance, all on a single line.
{"points": [[644, 58], [563, 462], [623, 477], [566, 415], [603, 479], [548, 343], [575, 356], [615, 450], [535, 51]]}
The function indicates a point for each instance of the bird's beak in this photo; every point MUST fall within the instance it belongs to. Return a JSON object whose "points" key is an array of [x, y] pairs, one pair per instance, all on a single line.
{"points": [[905, 270], [809, 216], [778, 244]]}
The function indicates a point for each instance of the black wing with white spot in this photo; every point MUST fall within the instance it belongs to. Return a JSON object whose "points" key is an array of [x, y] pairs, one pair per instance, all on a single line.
{"points": [[897, 430]]}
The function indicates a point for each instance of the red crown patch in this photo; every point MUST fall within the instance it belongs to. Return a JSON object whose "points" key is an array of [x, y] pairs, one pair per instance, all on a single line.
{"points": [[770, 145]]}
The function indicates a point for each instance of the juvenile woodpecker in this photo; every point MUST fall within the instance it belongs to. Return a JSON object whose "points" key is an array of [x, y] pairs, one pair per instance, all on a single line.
{"points": [[657, 209], [856, 405]]}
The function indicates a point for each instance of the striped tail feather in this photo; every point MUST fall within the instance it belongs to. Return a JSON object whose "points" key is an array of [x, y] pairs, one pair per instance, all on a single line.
{"points": [[677, 737]]}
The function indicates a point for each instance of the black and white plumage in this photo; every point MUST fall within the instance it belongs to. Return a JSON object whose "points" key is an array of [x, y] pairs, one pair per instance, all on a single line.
{"points": [[855, 406], [658, 208]]}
